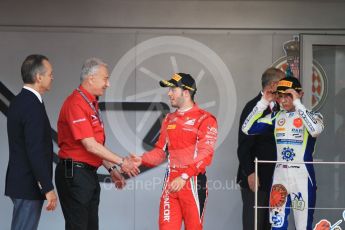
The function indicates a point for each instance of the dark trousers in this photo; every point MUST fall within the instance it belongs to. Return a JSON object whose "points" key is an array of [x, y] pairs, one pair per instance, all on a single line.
{"points": [[79, 197], [26, 214], [248, 213]]}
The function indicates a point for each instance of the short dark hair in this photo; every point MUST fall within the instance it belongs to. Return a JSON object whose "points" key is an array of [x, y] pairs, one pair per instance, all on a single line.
{"points": [[270, 75], [32, 65]]}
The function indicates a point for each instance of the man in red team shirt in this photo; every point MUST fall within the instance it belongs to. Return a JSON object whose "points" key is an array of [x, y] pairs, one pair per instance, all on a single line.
{"points": [[81, 140], [188, 137]]}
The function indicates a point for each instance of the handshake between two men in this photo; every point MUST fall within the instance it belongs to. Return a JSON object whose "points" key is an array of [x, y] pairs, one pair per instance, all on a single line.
{"points": [[129, 165]]}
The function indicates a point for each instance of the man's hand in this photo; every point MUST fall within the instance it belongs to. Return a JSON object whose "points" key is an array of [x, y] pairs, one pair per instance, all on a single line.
{"points": [[269, 94], [51, 200], [117, 179], [251, 181], [129, 167], [176, 185], [137, 161], [293, 93]]}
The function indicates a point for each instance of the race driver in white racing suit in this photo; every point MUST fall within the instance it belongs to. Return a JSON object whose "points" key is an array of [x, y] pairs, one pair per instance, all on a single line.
{"points": [[295, 130]]}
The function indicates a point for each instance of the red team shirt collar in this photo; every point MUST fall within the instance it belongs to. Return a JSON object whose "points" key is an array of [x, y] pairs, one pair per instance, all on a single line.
{"points": [[89, 96]]}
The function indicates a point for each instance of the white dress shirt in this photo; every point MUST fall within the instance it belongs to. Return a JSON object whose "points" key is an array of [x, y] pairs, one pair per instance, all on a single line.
{"points": [[38, 95]]}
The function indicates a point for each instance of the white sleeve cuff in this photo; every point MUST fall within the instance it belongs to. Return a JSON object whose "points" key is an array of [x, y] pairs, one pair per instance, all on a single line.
{"points": [[263, 103], [297, 103]]}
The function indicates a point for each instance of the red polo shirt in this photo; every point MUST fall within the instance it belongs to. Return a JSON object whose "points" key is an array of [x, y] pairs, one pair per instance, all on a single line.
{"points": [[77, 120]]}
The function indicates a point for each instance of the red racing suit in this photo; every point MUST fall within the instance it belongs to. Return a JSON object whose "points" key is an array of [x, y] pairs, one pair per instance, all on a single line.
{"points": [[189, 138]]}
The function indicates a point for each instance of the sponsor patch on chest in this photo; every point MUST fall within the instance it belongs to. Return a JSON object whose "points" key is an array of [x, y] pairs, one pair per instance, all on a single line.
{"points": [[281, 122], [190, 122], [171, 126], [297, 122]]}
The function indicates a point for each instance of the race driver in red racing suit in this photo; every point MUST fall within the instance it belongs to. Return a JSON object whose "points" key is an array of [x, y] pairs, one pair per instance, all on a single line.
{"points": [[188, 135]]}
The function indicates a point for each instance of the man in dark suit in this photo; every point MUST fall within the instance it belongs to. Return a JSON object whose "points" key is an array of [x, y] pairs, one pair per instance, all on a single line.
{"points": [[263, 147], [29, 172]]}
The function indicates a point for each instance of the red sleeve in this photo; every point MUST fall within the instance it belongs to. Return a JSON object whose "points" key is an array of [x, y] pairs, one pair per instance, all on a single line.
{"points": [[157, 155], [79, 122], [207, 137]]}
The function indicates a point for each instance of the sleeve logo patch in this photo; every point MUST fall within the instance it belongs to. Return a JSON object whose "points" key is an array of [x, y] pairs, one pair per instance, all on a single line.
{"points": [[79, 120]]}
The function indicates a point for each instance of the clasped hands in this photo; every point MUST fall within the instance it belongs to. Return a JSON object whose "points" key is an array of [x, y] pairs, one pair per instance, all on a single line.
{"points": [[130, 165], [174, 186], [127, 165]]}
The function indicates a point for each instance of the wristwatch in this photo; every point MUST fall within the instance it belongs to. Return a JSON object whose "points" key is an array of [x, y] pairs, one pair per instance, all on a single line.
{"points": [[121, 163], [184, 176]]}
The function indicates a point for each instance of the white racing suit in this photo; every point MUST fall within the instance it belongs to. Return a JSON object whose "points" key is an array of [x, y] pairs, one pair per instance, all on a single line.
{"points": [[294, 185]]}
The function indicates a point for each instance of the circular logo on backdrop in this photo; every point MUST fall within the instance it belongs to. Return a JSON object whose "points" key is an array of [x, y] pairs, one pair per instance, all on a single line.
{"points": [[136, 76]]}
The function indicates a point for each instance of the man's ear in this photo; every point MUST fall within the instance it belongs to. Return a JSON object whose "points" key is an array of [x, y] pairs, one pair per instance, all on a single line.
{"points": [[186, 92], [90, 79], [37, 78], [301, 94]]}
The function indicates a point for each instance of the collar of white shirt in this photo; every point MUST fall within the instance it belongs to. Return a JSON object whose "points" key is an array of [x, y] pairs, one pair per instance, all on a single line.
{"points": [[38, 95]]}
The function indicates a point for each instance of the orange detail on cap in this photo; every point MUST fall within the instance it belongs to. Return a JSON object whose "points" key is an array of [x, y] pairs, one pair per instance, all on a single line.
{"points": [[285, 84], [176, 77]]}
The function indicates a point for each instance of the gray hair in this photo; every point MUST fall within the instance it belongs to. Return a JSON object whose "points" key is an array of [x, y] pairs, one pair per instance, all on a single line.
{"points": [[90, 67], [271, 75]]}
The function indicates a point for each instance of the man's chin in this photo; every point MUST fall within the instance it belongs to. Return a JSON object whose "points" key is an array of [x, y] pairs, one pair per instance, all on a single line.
{"points": [[173, 105], [100, 93]]}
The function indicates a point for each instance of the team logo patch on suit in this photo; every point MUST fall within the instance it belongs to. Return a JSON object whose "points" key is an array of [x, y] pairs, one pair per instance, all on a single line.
{"points": [[288, 154], [281, 122], [280, 129], [277, 220], [297, 202], [297, 135], [94, 119], [291, 114], [280, 135], [172, 126], [297, 130], [190, 122], [297, 122], [278, 195], [79, 120]]}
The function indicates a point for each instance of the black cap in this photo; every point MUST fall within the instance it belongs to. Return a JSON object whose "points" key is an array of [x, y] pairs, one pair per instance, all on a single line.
{"points": [[182, 80], [288, 83]]}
